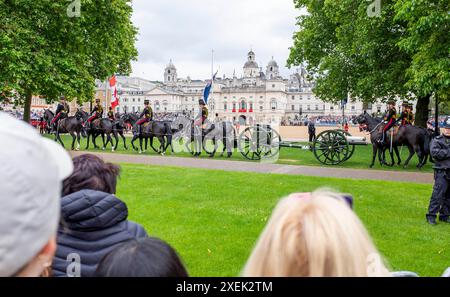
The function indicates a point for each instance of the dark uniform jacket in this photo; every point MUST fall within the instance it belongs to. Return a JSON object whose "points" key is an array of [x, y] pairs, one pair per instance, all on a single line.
{"points": [[92, 224], [391, 114], [406, 118], [205, 113], [311, 128], [98, 109], [440, 151], [147, 113], [111, 115], [62, 108]]}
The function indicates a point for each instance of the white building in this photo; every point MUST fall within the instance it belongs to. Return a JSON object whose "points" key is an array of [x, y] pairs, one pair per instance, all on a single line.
{"points": [[256, 96]]}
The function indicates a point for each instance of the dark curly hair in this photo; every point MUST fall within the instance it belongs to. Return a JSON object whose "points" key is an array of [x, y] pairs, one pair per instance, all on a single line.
{"points": [[91, 173]]}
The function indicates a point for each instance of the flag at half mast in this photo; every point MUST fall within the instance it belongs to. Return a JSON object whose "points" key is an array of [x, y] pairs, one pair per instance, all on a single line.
{"points": [[207, 90]]}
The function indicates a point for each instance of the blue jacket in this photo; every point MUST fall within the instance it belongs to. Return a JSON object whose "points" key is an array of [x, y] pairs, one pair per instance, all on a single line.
{"points": [[92, 224]]}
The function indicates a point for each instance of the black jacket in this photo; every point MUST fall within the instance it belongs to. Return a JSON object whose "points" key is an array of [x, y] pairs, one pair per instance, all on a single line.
{"points": [[93, 223], [440, 151], [311, 128]]}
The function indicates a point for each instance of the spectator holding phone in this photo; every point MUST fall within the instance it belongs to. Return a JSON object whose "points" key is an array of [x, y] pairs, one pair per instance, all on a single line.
{"points": [[314, 234]]}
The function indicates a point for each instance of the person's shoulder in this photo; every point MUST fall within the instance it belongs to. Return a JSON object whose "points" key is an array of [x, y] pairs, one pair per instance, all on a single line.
{"points": [[135, 229]]}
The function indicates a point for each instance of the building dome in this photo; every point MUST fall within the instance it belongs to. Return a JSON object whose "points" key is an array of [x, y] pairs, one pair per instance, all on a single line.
{"points": [[170, 65], [272, 63], [251, 64]]}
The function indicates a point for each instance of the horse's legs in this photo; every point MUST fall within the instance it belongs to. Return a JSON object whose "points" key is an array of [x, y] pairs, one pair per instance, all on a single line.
{"points": [[74, 138], [132, 143], [162, 145], [391, 153], [116, 137], [397, 153], [94, 136], [140, 145], [103, 140], [88, 139], [374, 150], [420, 155], [215, 147], [78, 141], [124, 140], [411, 154], [58, 137]]}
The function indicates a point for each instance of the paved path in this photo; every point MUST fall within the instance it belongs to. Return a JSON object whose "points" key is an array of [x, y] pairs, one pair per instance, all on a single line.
{"points": [[414, 177]]}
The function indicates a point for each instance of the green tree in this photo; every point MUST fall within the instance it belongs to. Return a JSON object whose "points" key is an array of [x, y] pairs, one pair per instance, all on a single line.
{"points": [[49, 50], [427, 41], [352, 52]]}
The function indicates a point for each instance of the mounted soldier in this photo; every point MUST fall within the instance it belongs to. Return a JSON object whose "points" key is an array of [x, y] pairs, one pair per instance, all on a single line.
{"points": [[111, 115], [202, 115], [97, 113], [199, 123], [389, 120], [62, 111], [407, 116], [145, 117]]}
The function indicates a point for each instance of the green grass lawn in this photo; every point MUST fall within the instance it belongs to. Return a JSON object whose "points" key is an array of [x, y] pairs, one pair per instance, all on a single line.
{"points": [[361, 159], [213, 218]]}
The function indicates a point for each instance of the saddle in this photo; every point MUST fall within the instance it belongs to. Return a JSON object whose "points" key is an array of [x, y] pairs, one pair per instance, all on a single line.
{"points": [[145, 125]]}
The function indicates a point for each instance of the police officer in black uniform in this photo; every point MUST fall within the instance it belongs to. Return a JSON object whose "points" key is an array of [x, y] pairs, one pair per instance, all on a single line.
{"points": [[440, 199]]}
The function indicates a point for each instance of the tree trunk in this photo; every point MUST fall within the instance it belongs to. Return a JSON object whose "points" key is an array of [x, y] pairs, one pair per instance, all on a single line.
{"points": [[422, 110], [27, 106]]}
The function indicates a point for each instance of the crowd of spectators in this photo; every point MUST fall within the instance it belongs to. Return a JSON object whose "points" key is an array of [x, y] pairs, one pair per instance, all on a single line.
{"points": [[320, 121], [67, 221]]}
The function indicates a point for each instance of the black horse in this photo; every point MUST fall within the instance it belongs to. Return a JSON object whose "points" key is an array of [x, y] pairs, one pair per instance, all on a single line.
{"points": [[414, 138], [159, 129], [102, 127], [73, 126]]}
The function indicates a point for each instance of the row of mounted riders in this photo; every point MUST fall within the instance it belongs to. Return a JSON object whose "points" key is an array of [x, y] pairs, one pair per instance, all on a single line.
{"points": [[391, 133], [193, 132]]}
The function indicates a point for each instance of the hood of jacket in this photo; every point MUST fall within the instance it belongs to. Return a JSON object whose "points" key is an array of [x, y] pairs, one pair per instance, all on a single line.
{"points": [[92, 210]]}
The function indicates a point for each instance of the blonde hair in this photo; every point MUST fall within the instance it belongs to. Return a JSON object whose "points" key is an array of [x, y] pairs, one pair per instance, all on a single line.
{"points": [[314, 235]]}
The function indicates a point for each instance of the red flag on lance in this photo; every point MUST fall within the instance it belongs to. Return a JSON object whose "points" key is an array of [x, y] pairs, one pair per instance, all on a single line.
{"points": [[113, 87]]}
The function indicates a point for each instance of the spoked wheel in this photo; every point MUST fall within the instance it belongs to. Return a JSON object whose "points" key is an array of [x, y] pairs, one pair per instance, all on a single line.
{"points": [[352, 146], [332, 148], [259, 142]]}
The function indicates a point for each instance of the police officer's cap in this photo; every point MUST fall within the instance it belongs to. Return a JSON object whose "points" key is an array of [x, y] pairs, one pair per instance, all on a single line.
{"points": [[391, 102], [405, 104], [97, 100], [146, 102], [201, 102], [447, 123], [62, 97]]}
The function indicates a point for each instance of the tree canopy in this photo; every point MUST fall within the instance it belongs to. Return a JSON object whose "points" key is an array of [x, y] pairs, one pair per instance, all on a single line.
{"points": [[49, 50], [388, 55]]}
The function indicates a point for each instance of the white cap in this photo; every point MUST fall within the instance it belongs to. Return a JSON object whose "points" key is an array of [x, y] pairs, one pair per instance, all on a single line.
{"points": [[32, 169]]}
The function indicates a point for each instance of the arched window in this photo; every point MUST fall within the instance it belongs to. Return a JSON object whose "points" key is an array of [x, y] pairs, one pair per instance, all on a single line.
{"points": [[234, 105], [225, 107], [157, 106], [243, 104]]}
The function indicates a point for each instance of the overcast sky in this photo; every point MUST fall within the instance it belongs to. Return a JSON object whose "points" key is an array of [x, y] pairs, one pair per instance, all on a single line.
{"points": [[187, 30]]}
